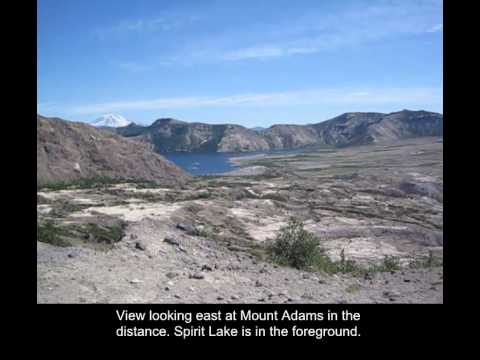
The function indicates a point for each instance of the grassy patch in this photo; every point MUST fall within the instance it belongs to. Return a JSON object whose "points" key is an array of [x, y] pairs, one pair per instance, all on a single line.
{"points": [[390, 263], [97, 182], [63, 208], [99, 237], [51, 234], [104, 234], [428, 262], [198, 195]]}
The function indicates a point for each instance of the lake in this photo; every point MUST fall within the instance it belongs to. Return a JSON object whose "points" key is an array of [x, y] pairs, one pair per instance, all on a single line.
{"points": [[203, 163], [210, 163]]}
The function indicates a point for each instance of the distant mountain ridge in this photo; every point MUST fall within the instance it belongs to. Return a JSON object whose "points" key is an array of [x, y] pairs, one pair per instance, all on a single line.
{"points": [[349, 129], [68, 151]]}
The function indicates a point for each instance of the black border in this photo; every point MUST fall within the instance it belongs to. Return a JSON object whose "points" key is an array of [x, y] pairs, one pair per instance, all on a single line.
{"points": [[387, 324]]}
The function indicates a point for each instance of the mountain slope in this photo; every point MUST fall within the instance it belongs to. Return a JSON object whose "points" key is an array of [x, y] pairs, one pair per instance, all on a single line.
{"points": [[169, 135], [349, 129], [68, 151]]}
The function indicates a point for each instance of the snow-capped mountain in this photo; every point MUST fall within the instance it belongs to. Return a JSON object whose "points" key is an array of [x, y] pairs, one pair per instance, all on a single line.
{"points": [[111, 120]]}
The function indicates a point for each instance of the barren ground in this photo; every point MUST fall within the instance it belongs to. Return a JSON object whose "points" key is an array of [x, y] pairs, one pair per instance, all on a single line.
{"points": [[205, 242]]}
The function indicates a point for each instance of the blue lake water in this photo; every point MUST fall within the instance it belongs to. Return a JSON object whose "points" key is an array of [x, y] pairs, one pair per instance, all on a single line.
{"points": [[210, 163], [203, 163]]}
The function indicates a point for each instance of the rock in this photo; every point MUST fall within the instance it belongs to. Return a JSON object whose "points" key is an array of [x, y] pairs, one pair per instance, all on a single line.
{"points": [[258, 283], [234, 297], [236, 248], [171, 240], [171, 275], [406, 280], [72, 255], [219, 298], [198, 276], [170, 283], [307, 296], [207, 268], [177, 296], [233, 267], [391, 294], [182, 249], [133, 236], [135, 281], [188, 228], [140, 246]]}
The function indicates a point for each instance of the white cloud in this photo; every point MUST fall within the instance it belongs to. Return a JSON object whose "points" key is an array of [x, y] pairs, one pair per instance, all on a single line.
{"points": [[436, 28], [313, 32], [316, 32], [401, 96], [265, 52], [139, 67], [166, 22]]}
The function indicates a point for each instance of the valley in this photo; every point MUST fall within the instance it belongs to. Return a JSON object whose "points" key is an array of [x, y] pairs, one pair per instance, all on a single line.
{"points": [[204, 239]]}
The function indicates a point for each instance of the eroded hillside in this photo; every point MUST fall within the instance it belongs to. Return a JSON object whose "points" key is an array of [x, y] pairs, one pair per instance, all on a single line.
{"points": [[349, 129], [69, 151]]}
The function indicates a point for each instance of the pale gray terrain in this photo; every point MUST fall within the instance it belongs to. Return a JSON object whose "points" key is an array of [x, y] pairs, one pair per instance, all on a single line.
{"points": [[204, 240]]}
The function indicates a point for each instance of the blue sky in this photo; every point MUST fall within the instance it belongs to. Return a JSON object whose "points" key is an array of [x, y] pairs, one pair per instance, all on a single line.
{"points": [[254, 63]]}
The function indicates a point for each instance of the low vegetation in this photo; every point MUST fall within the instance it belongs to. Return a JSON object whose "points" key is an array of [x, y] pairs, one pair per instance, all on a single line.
{"points": [[429, 261], [104, 234], [296, 247], [97, 182], [52, 234], [100, 237]]}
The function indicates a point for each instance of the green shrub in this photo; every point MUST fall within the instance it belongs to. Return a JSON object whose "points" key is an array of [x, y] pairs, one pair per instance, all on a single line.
{"points": [[391, 263], [104, 234], [296, 247], [51, 234]]}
